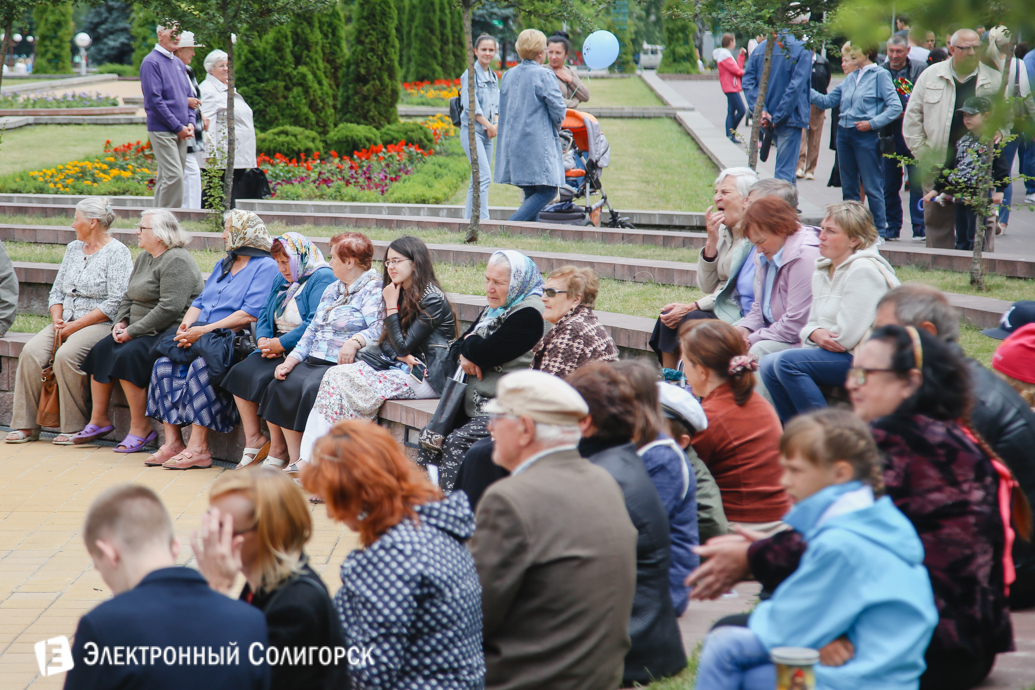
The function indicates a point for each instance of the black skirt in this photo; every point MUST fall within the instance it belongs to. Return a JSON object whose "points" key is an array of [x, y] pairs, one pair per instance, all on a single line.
{"points": [[132, 361], [250, 377], [288, 403], [665, 339]]}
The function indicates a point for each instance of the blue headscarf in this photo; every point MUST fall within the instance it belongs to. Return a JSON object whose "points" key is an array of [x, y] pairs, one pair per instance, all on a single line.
{"points": [[525, 281], [305, 258]]}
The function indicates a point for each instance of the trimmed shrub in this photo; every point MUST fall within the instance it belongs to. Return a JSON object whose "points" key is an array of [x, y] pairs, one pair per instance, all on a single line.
{"points": [[680, 56], [347, 138], [289, 141], [121, 70], [410, 132], [425, 51], [54, 47], [370, 87]]}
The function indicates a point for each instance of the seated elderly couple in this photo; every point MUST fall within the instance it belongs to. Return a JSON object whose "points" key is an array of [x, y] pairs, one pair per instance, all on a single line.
{"points": [[801, 297]]}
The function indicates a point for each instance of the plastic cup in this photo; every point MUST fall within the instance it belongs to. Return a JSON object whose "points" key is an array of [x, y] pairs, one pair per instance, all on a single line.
{"points": [[794, 667]]}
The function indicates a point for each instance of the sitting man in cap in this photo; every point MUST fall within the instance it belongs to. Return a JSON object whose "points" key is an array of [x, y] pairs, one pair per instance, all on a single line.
{"points": [[554, 547], [165, 628]]}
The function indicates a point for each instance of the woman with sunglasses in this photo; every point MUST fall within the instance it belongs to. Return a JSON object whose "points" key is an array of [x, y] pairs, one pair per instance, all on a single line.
{"points": [[577, 337]]}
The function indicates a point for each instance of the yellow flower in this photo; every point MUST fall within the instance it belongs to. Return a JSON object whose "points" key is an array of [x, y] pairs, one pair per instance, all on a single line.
{"points": [[51, 185], [110, 159]]}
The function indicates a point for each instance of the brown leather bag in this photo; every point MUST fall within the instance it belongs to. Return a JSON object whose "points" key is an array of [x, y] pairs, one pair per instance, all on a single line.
{"points": [[49, 412]]}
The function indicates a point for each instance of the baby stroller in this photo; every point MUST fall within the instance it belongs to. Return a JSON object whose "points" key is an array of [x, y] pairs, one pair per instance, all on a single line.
{"points": [[586, 154]]}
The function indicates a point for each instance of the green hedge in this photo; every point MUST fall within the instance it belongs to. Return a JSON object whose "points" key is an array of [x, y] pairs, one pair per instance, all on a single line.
{"points": [[121, 70], [347, 138], [288, 140], [410, 132]]}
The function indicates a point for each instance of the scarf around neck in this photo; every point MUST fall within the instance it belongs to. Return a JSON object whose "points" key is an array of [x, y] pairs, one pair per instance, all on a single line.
{"points": [[525, 281], [305, 259]]}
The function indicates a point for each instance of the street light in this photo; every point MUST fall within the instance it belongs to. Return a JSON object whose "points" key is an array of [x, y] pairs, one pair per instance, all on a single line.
{"points": [[83, 40]]}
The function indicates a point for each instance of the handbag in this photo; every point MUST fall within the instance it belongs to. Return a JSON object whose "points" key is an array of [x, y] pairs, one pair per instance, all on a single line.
{"points": [[456, 109], [442, 422], [245, 343], [372, 355], [48, 414]]}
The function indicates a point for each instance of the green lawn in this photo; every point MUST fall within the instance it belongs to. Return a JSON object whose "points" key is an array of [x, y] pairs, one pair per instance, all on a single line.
{"points": [[622, 91], [41, 146], [654, 165]]}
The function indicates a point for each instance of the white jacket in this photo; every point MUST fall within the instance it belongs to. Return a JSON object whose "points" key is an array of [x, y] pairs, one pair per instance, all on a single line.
{"points": [[213, 106], [846, 303], [925, 126]]}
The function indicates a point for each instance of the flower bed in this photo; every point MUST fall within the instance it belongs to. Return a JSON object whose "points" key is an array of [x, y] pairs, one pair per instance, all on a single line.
{"points": [[435, 93], [122, 171], [51, 102], [370, 170]]}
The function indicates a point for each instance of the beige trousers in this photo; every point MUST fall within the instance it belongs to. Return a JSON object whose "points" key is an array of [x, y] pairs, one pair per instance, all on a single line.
{"points": [[73, 384], [171, 160], [810, 140]]}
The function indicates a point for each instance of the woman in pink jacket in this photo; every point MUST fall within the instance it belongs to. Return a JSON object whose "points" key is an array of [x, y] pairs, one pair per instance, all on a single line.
{"points": [[730, 72]]}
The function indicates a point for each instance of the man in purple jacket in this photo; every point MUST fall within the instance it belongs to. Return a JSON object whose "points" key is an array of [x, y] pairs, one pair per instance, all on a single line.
{"points": [[170, 122]]}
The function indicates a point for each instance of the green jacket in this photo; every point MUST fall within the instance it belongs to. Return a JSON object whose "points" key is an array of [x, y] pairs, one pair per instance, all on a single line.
{"points": [[711, 518]]}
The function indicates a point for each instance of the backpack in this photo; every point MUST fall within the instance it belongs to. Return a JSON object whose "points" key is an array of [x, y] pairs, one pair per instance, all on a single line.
{"points": [[456, 109]]}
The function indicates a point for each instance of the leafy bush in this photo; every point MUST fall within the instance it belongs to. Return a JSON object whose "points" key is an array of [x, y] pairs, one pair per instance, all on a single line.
{"points": [[289, 141], [680, 56], [410, 132], [435, 181], [121, 70], [348, 138]]}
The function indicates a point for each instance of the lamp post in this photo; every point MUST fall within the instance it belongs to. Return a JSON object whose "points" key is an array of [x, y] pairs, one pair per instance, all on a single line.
{"points": [[83, 40]]}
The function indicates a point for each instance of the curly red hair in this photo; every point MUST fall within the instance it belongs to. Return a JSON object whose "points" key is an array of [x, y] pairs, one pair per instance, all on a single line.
{"points": [[363, 474]]}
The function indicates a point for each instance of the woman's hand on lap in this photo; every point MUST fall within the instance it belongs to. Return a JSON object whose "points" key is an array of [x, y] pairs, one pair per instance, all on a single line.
{"points": [[347, 354], [672, 314], [470, 368], [826, 340]]}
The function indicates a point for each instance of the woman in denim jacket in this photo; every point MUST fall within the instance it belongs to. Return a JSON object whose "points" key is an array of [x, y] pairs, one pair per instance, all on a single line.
{"points": [[868, 102], [487, 108]]}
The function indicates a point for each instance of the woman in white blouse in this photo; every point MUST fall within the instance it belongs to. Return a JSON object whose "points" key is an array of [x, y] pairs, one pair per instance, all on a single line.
{"points": [[213, 109], [86, 295]]}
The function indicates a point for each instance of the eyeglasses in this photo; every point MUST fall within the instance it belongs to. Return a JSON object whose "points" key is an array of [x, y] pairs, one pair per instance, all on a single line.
{"points": [[859, 375], [967, 49], [395, 262], [550, 292]]}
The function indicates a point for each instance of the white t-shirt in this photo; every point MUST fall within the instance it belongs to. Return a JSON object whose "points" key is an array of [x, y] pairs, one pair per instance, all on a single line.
{"points": [[919, 54]]}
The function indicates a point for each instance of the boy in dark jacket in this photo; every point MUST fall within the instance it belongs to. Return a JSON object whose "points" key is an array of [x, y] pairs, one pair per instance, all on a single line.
{"points": [[961, 178]]}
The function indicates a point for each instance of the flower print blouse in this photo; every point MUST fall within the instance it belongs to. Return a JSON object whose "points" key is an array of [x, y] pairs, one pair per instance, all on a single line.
{"points": [[97, 281], [344, 312]]}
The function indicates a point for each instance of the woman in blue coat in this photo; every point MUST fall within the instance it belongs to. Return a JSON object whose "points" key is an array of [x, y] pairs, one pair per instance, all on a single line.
{"points": [[289, 308], [528, 150]]}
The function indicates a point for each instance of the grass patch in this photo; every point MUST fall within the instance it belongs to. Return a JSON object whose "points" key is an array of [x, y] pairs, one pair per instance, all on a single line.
{"points": [[978, 346], [631, 91], [999, 287], [43, 146], [29, 323], [54, 253], [685, 679]]}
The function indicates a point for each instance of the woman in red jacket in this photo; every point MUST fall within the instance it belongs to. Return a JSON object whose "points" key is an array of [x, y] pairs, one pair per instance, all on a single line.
{"points": [[730, 72]]}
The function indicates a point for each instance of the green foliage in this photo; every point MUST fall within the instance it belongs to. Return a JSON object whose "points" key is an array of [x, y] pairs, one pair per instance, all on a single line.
{"points": [[410, 132], [144, 36], [332, 28], [459, 47], [121, 70], [624, 63], [680, 56], [288, 140], [108, 23], [370, 89], [451, 37], [423, 63], [347, 138], [54, 46]]}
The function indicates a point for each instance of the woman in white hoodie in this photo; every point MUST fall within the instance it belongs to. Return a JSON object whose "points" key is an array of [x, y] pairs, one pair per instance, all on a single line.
{"points": [[850, 279]]}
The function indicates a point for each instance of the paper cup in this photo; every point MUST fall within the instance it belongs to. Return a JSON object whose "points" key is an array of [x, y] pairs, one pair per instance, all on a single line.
{"points": [[794, 667]]}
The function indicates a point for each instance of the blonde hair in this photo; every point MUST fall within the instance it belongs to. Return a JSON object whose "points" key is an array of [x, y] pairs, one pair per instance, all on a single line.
{"points": [[855, 221], [1024, 389], [826, 436], [530, 43], [580, 282], [281, 517]]}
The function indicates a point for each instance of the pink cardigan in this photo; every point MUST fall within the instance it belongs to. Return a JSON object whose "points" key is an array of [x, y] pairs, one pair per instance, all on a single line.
{"points": [[792, 291], [730, 70]]}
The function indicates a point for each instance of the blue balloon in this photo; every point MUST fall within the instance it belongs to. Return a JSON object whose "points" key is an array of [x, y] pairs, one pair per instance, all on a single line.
{"points": [[600, 50]]}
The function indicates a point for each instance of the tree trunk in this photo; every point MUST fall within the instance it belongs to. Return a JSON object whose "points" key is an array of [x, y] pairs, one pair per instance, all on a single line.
{"points": [[476, 199], [763, 90], [228, 178]]}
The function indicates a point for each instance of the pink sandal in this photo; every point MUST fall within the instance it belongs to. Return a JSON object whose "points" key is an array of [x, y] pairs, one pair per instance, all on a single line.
{"points": [[187, 460], [160, 457]]}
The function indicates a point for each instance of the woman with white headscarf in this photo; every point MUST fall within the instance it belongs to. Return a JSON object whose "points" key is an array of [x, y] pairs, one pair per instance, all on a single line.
{"points": [[500, 341], [213, 109]]}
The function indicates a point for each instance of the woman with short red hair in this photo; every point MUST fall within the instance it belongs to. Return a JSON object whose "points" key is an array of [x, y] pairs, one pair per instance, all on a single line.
{"points": [[412, 591]]}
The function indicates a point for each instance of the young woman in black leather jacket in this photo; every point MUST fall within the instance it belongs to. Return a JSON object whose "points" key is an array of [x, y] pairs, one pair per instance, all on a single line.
{"points": [[410, 360]]}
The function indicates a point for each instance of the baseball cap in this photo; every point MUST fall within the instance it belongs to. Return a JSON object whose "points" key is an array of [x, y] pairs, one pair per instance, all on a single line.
{"points": [[1019, 314], [1016, 355], [543, 397], [678, 404], [975, 105]]}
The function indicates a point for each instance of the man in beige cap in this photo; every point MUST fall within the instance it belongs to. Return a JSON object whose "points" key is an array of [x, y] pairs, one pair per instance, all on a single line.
{"points": [[554, 547]]}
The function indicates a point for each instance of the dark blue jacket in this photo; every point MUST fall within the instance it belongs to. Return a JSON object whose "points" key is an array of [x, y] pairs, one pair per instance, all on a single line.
{"points": [[171, 608], [790, 81], [307, 299]]}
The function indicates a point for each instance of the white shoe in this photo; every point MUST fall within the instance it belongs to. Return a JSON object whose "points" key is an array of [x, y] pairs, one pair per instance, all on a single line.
{"points": [[809, 176], [800, 173], [880, 240], [1030, 199]]}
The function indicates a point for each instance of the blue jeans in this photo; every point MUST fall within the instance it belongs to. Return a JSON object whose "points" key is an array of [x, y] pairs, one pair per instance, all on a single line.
{"points": [[1009, 152], [484, 145], [893, 188], [735, 110], [858, 155], [1028, 164], [734, 658], [536, 199], [793, 377], [787, 141]]}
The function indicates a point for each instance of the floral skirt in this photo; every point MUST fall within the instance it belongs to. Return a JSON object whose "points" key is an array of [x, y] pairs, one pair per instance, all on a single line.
{"points": [[356, 391], [183, 394]]}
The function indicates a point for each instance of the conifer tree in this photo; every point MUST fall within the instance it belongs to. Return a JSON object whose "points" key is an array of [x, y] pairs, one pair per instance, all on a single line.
{"points": [[680, 56], [370, 90], [332, 27], [425, 53], [54, 46]]}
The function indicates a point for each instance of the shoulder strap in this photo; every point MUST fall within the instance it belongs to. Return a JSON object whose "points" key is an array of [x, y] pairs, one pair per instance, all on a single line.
{"points": [[675, 446], [884, 272]]}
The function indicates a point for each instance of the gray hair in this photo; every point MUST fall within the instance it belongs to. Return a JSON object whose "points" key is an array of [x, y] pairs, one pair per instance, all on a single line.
{"points": [[774, 186], [97, 208], [499, 259], [897, 40], [166, 228], [745, 178], [557, 434], [915, 303], [958, 36], [214, 57]]}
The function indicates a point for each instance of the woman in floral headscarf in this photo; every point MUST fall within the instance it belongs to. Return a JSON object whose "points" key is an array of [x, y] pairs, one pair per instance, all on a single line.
{"points": [[232, 298], [289, 308], [500, 341]]}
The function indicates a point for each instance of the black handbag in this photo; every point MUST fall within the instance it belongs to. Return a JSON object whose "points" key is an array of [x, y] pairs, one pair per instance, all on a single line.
{"points": [[456, 109], [245, 343], [443, 421]]}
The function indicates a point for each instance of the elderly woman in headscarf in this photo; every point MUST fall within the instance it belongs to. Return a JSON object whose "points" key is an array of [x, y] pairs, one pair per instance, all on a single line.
{"points": [[500, 341], [289, 309], [233, 298], [213, 110]]}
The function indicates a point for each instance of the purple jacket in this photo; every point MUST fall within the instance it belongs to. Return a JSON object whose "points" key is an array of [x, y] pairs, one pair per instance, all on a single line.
{"points": [[792, 291], [166, 89]]}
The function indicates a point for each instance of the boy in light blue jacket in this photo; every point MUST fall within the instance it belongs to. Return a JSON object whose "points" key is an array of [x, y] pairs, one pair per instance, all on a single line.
{"points": [[861, 594]]}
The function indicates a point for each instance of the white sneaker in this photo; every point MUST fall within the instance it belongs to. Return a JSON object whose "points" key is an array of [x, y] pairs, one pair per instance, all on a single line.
{"points": [[1030, 199], [809, 176], [800, 173]]}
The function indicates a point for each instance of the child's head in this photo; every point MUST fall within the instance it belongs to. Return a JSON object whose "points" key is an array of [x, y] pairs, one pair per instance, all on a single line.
{"points": [[684, 416], [829, 446], [975, 113], [678, 431]]}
